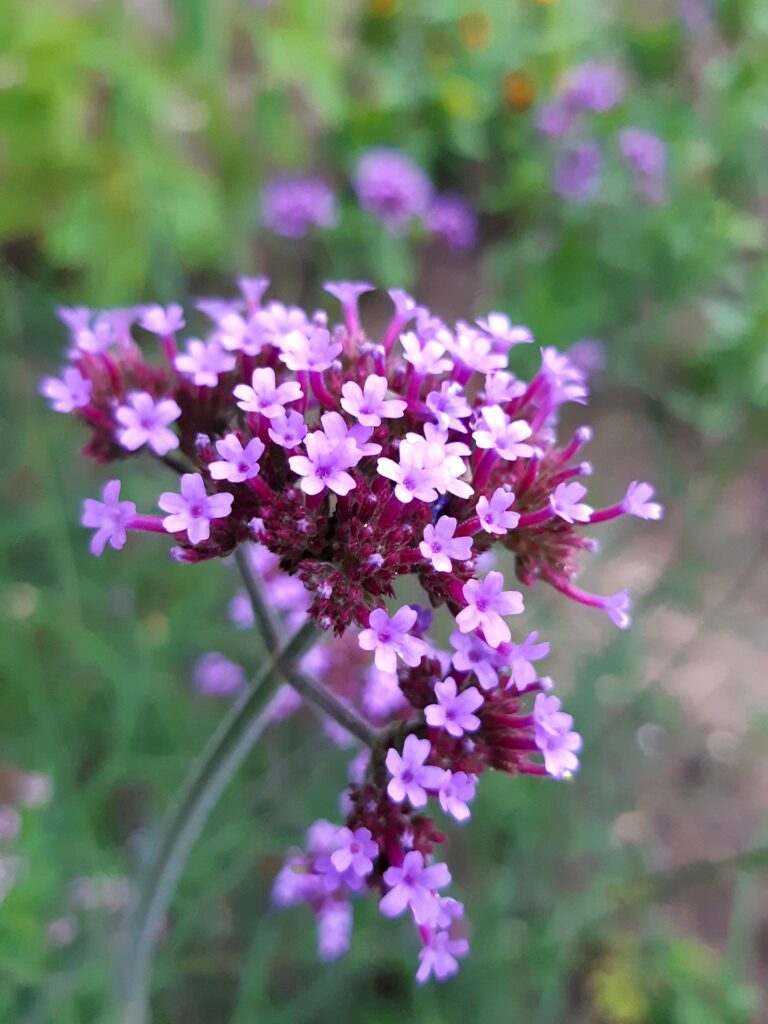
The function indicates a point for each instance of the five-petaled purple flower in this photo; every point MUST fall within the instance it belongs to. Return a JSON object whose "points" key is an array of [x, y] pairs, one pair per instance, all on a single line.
{"points": [[389, 637], [486, 603], [554, 736], [265, 396], [204, 361], [638, 501], [456, 790], [493, 514], [193, 509], [143, 421], [411, 777], [355, 851], [368, 404], [72, 391], [110, 518], [237, 463], [454, 711], [326, 464], [440, 545], [439, 956], [415, 885]]}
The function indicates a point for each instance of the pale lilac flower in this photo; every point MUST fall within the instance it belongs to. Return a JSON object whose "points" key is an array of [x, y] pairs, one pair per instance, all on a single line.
{"points": [[355, 851], [237, 463], [440, 545], [214, 675], [554, 737], [456, 790], [474, 655], [452, 219], [382, 696], [325, 464], [240, 611], [193, 509], [449, 406], [646, 155], [98, 338], [476, 350], [567, 382], [519, 658], [253, 289], [293, 206], [578, 171], [566, 502], [74, 318], [496, 431], [594, 86], [556, 118], [163, 320], [265, 396], [72, 391], [637, 501], [288, 430], [410, 776], [391, 187], [334, 928], [315, 351], [388, 637], [501, 387], [439, 459], [486, 604], [110, 518], [144, 421], [368, 404], [616, 607], [336, 429], [503, 332], [417, 474], [427, 358], [204, 361], [414, 885], [454, 711], [439, 957], [237, 334], [493, 514], [348, 292]]}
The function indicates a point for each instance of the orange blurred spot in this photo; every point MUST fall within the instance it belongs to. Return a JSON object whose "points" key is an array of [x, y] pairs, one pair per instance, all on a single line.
{"points": [[383, 8], [518, 90], [476, 30]]}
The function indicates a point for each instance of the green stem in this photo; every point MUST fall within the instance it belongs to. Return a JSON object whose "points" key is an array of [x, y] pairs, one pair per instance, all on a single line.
{"points": [[226, 751]]}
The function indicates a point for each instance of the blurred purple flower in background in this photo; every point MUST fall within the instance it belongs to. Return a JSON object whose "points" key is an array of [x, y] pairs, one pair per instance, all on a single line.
{"points": [[646, 155], [214, 675], [293, 206], [451, 219], [593, 86], [578, 171], [392, 187]]}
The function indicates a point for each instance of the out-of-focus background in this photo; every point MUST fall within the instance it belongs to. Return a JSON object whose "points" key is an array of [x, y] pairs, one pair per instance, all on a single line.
{"points": [[611, 166]]}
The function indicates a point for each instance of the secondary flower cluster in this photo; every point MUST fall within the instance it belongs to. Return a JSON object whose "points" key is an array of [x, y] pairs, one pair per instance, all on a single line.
{"points": [[388, 185], [579, 164], [353, 462]]}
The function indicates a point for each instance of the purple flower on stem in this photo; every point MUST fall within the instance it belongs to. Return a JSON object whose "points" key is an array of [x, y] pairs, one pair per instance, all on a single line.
{"points": [[637, 501], [72, 391], [456, 790], [163, 320], [215, 675], [554, 737], [356, 851], [391, 187], [616, 607], [417, 473], [315, 352], [325, 464], [493, 514], [449, 406], [451, 219], [415, 885], [474, 655], [411, 778], [486, 603], [578, 171], [144, 421], [519, 658], [348, 293], [495, 431], [334, 928], [427, 357], [110, 518], [193, 509], [594, 86], [646, 155], [439, 957], [292, 206], [237, 463], [288, 430], [204, 361], [389, 637], [454, 711], [503, 332], [566, 502], [265, 396], [440, 546], [368, 404]]}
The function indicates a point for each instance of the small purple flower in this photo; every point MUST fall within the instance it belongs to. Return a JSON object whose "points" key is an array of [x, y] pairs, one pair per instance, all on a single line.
{"points": [[325, 464], [193, 509], [439, 957], [265, 396], [566, 502], [315, 351], [426, 357], [214, 675], [336, 430], [476, 350], [474, 655], [493, 514], [554, 737], [110, 518], [519, 658], [637, 501], [293, 206], [451, 219], [456, 790], [391, 187], [368, 404], [382, 696], [594, 86], [496, 431], [440, 545], [334, 928], [486, 604], [616, 607], [288, 430], [646, 155], [578, 171], [501, 387], [144, 421], [204, 361], [163, 320], [454, 711], [411, 778], [348, 293], [449, 406], [503, 332], [98, 338], [415, 885], [416, 476], [355, 851], [240, 611], [389, 637], [557, 118], [72, 391], [237, 463]]}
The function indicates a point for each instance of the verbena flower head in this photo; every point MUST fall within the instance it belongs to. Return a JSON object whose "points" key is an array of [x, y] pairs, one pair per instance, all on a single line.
{"points": [[451, 219], [294, 206], [343, 463], [392, 187], [646, 156]]}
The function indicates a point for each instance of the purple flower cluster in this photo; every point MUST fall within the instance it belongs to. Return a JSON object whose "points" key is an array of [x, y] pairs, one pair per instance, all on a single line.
{"points": [[293, 206], [354, 461], [579, 160]]}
